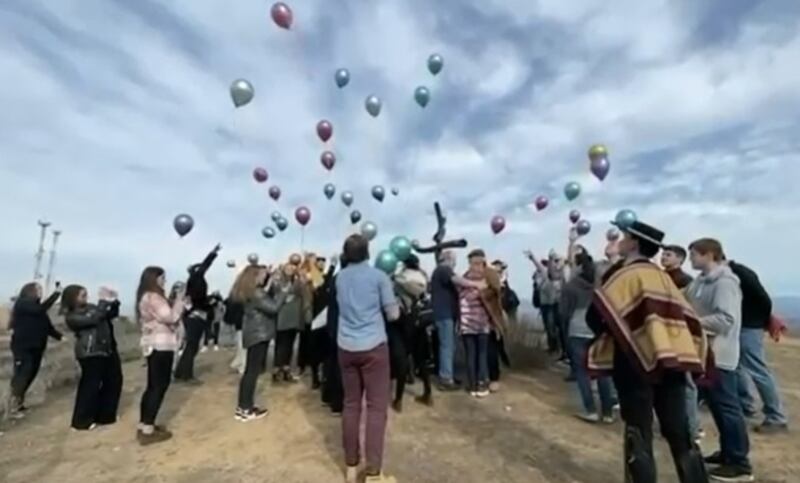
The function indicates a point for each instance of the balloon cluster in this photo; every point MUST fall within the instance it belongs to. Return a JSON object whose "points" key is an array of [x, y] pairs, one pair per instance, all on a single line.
{"points": [[598, 161], [399, 250]]}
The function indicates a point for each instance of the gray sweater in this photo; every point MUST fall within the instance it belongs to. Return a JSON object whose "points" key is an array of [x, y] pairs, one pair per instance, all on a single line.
{"points": [[717, 299], [576, 297]]}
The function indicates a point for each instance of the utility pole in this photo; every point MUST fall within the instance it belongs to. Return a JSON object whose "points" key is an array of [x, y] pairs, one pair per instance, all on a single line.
{"points": [[52, 262], [37, 271]]}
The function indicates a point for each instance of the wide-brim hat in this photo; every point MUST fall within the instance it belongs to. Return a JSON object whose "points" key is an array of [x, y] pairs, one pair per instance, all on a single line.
{"points": [[643, 232]]}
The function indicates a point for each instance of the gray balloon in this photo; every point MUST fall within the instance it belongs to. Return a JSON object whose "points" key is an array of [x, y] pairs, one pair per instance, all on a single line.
{"points": [[373, 105], [253, 259], [268, 232], [242, 92], [281, 223], [276, 216], [369, 230], [395, 191], [183, 224], [347, 198], [329, 190], [342, 77], [378, 193], [231, 263]]}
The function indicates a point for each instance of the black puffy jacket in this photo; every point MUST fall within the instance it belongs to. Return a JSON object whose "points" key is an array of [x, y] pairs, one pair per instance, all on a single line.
{"points": [[756, 302], [31, 323], [94, 332]]}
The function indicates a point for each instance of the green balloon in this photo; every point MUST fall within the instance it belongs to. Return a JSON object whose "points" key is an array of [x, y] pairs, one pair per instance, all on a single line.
{"points": [[401, 247], [386, 262]]}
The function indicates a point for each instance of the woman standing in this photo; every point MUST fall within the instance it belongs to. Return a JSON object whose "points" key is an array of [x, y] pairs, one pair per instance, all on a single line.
{"points": [[475, 327], [160, 324], [234, 314], [100, 386], [31, 327], [293, 316]]}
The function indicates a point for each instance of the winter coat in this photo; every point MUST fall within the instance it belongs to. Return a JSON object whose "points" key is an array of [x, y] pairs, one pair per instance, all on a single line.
{"points": [[756, 302], [31, 324], [259, 323], [295, 312], [93, 328], [576, 297]]}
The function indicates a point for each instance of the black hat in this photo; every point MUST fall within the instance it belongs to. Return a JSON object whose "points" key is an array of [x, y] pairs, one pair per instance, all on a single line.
{"points": [[643, 232]]}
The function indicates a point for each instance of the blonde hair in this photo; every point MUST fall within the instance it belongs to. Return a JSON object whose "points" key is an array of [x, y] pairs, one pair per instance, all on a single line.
{"points": [[309, 267], [246, 284]]}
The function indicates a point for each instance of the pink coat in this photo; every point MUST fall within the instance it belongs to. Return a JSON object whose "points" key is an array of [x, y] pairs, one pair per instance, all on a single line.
{"points": [[160, 323]]}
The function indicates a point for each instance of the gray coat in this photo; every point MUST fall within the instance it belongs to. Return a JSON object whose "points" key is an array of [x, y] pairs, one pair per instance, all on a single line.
{"points": [[259, 323], [576, 297], [295, 313]]}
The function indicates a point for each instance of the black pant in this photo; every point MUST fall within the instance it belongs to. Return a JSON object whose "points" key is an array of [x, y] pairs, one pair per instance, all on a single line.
{"points": [[493, 355], [637, 399], [26, 366], [284, 348], [320, 346], [256, 360], [304, 349], [211, 333], [423, 357], [332, 389], [398, 358], [194, 332], [159, 374], [99, 388]]}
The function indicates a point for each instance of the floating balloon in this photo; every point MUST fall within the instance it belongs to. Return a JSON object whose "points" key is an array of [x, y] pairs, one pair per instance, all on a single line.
{"points": [[324, 130], [282, 223], [422, 95], [378, 193], [435, 63], [231, 263], [302, 215], [572, 190], [347, 198], [268, 232], [625, 218], [274, 192], [395, 191], [597, 151], [183, 224], [355, 216], [498, 224], [612, 234], [373, 105], [282, 15], [541, 202], [600, 168], [328, 159], [329, 190], [242, 92], [276, 216], [401, 247], [295, 259], [260, 175], [386, 262], [369, 230], [342, 77], [574, 216], [583, 227], [252, 259]]}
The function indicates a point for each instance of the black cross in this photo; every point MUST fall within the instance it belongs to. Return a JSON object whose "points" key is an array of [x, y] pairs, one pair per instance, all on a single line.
{"points": [[438, 238]]}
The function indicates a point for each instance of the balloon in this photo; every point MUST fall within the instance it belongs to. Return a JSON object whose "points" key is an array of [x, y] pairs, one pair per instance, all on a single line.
{"points": [[597, 151], [329, 190], [302, 215], [342, 77], [542, 202], [268, 232], [435, 63], [572, 190], [295, 259], [281, 223], [583, 227], [612, 234], [378, 193], [183, 224], [386, 262], [395, 191], [276, 216], [347, 198], [373, 105], [498, 224], [260, 175], [355, 216], [328, 159], [369, 230], [253, 259], [324, 130], [274, 192], [231, 263], [422, 95], [600, 168], [242, 92], [401, 247], [625, 218], [282, 15], [574, 216]]}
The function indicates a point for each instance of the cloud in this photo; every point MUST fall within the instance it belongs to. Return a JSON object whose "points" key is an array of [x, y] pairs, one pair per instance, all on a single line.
{"points": [[118, 117]]}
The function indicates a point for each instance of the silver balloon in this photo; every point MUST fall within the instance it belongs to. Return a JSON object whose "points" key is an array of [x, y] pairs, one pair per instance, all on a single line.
{"points": [[369, 230], [231, 263], [242, 92], [347, 198], [253, 259], [373, 105], [183, 224], [276, 216], [268, 232], [329, 190]]}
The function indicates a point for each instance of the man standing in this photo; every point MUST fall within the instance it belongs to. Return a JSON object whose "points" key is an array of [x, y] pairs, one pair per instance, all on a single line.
{"points": [[717, 298], [672, 258]]}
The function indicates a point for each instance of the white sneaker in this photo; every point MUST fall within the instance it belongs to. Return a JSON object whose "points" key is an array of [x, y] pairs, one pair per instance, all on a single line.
{"points": [[204, 349], [251, 415], [216, 348], [588, 417], [608, 419]]}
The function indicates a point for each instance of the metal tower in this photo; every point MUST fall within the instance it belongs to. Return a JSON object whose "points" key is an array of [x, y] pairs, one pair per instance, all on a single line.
{"points": [[37, 271], [52, 262]]}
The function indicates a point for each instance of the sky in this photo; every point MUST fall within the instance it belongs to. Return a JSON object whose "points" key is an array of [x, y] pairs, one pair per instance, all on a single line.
{"points": [[117, 116]]}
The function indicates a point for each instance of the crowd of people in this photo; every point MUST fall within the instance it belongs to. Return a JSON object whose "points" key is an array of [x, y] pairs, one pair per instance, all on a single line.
{"points": [[645, 338]]}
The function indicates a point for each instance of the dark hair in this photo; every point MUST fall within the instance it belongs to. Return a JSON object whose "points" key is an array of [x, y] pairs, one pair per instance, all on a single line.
{"points": [[148, 282], [343, 262], [356, 249], [704, 246], [69, 298], [28, 291], [648, 249], [677, 250], [412, 262], [476, 253], [585, 262]]}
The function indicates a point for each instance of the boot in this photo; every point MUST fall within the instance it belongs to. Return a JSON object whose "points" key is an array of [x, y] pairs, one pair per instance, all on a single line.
{"points": [[639, 464]]}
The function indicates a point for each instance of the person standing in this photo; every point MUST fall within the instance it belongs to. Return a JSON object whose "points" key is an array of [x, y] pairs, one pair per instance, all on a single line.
{"points": [[320, 345], [332, 388], [366, 299], [216, 312], [549, 278], [672, 258], [497, 348], [294, 314], [234, 313]]}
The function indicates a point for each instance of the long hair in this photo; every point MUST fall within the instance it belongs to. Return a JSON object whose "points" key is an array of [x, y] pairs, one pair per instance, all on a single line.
{"points": [[69, 298], [244, 289], [29, 291], [585, 264], [309, 267], [148, 282]]}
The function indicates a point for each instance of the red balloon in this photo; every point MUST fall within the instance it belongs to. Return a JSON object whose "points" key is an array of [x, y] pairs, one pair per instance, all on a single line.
{"points": [[302, 215], [498, 224], [328, 159], [274, 192], [324, 130], [282, 15], [542, 202], [260, 175]]}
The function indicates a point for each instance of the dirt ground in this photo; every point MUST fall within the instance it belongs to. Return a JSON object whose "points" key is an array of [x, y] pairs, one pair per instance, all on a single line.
{"points": [[526, 433]]}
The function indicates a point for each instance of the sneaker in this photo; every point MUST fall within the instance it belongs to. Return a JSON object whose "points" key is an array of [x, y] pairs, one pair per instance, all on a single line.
{"points": [[448, 386], [588, 417], [251, 415], [482, 392], [351, 474], [494, 386], [731, 473], [771, 428], [216, 348], [608, 420], [290, 378], [714, 459], [701, 433], [204, 349], [426, 400], [381, 478], [615, 407], [152, 438]]}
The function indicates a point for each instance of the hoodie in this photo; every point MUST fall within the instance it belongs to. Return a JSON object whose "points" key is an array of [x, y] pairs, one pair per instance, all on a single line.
{"points": [[576, 297], [717, 299]]}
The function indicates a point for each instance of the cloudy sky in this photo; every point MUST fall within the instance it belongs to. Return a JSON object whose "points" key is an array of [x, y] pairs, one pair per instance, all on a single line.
{"points": [[116, 117]]}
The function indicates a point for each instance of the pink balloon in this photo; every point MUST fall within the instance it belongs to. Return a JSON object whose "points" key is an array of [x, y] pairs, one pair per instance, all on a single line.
{"points": [[282, 15], [324, 130], [260, 175], [498, 224], [542, 202], [302, 215], [274, 192], [328, 159]]}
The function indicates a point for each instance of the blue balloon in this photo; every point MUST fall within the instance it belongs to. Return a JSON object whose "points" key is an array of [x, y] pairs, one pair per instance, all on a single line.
{"points": [[401, 247], [572, 190], [625, 218], [422, 95], [435, 63], [282, 223], [386, 261], [342, 77], [268, 232]]}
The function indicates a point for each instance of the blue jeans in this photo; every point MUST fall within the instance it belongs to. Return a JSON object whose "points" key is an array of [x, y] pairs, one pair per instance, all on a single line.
{"points": [[578, 347], [692, 403], [447, 348], [477, 349], [723, 400], [752, 363]]}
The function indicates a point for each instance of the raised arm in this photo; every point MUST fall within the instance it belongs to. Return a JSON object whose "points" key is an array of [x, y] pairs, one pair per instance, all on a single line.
{"points": [[49, 301], [212, 255]]}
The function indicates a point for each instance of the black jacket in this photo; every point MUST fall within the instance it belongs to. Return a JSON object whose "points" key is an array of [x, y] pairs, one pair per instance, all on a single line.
{"points": [[333, 313], [197, 287], [321, 294], [756, 302], [234, 313], [31, 323], [93, 328]]}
